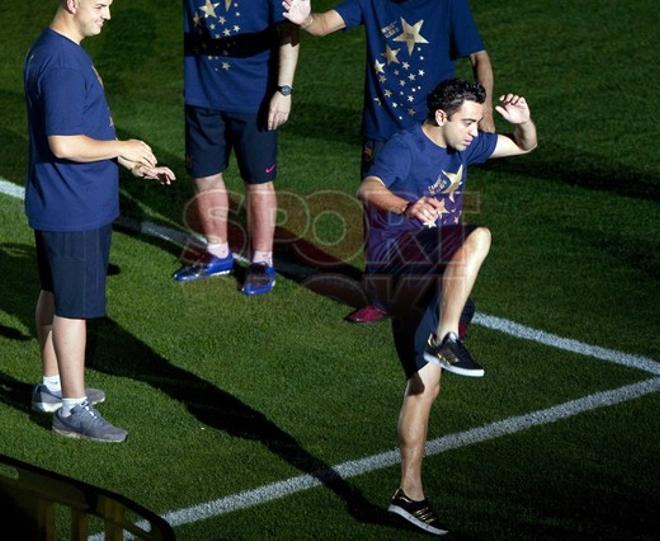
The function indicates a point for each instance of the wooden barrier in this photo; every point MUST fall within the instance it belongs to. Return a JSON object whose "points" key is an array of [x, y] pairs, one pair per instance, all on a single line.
{"points": [[29, 497]]}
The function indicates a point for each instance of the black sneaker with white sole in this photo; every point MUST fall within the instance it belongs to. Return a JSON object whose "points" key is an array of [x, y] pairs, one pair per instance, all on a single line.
{"points": [[419, 514], [453, 356]]}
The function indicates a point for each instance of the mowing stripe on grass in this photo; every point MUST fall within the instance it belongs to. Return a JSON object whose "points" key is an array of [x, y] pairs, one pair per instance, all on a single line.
{"points": [[506, 326], [352, 468]]}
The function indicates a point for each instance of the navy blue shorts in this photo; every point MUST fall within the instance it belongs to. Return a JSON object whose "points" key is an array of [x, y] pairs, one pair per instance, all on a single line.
{"points": [[418, 255], [411, 333], [423, 251], [73, 266], [211, 135]]}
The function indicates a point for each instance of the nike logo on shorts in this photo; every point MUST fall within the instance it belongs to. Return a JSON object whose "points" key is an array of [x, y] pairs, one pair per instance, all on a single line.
{"points": [[270, 169]]}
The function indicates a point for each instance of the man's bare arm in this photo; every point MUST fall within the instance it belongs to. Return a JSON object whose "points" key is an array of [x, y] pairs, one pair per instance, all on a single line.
{"points": [[514, 109], [83, 149], [373, 192], [483, 73], [280, 105]]}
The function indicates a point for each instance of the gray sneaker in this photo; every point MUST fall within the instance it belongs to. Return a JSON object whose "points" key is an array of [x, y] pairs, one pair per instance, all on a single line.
{"points": [[43, 399], [86, 422]]}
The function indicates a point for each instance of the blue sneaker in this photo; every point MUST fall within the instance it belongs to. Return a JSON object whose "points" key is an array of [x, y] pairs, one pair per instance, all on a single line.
{"points": [[43, 399], [206, 266], [260, 279]]}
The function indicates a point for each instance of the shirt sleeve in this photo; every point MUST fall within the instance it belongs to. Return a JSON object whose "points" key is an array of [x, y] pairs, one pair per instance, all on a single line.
{"points": [[63, 95], [351, 12], [481, 148], [464, 38], [393, 162]]}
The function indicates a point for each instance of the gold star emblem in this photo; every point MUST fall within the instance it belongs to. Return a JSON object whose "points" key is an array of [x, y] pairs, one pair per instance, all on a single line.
{"points": [[208, 9], [411, 35], [378, 66], [455, 179], [390, 55]]}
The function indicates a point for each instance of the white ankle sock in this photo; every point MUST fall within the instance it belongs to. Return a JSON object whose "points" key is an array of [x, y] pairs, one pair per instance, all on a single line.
{"points": [[69, 403], [53, 383], [218, 249], [263, 257]]}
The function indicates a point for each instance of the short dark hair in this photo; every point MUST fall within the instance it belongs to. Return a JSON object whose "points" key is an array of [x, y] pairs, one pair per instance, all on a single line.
{"points": [[450, 94]]}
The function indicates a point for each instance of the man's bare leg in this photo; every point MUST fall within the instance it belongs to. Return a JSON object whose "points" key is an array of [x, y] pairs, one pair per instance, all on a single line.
{"points": [[262, 213], [459, 278], [69, 337], [421, 391], [213, 207], [44, 314]]}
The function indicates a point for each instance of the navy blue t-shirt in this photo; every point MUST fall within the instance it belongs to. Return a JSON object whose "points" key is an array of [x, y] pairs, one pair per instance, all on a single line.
{"points": [[65, 96], [230, 53], [411, 46], [412, 166]]}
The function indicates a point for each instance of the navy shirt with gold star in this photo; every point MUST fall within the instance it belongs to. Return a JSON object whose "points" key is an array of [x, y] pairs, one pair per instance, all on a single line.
{"points": [[412, 166], [411, 46], [230, 56]]}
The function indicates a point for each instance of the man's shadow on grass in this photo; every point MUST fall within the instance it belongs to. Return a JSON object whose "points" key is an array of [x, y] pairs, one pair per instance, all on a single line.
{"points": [[218, 409]]}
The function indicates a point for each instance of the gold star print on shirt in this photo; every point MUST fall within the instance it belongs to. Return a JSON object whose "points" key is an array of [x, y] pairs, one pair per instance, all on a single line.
{"points": [[455, 180], [411, 35], [399, 80]]}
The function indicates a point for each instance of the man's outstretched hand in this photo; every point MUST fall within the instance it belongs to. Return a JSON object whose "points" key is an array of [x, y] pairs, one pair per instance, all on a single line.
{"points": [[297, 11], [513, 109]]}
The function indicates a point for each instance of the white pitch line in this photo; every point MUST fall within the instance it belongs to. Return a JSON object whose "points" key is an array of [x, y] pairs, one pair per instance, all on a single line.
{"points": [[567, 344], [353, 468]]}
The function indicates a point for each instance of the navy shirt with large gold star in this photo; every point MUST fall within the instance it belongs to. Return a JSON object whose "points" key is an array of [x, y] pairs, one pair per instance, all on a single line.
{"points": [[230, 53], [411, 46], [412, 166]]}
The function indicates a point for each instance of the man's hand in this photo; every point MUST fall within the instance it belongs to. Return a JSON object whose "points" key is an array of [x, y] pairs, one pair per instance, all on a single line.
{"points": [[278, 112], [297, 11], [426, 210], [514, 109], [134, 150], [164, 175]]}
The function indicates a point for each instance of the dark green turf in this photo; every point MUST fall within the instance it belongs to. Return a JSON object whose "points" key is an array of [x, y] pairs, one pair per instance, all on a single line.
{"points": [[223, 394]]}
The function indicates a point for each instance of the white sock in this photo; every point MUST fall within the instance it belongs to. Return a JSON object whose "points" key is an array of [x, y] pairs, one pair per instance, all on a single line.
{"points": [[265, 258], [69, 403], [218, 249], [53, 383]]}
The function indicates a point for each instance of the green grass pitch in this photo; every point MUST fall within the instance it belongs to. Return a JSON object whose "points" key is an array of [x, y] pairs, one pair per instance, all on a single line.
{"points": [[223, 394]]}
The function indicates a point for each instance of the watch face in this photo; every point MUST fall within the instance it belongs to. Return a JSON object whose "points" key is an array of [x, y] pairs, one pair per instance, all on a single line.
{"points": [[285, 90]]}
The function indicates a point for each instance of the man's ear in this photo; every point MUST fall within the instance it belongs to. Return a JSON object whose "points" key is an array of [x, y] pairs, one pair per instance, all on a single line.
{"points": [[440, 117], [72, 5]]}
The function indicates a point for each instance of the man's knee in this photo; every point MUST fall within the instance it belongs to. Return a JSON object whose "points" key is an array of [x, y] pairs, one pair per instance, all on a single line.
{"points": [[425, 383], [479, 241], [212, 182]]}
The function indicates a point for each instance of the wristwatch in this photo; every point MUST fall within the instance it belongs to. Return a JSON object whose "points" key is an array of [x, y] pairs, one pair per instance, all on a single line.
{"points": [[285, 90]]}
